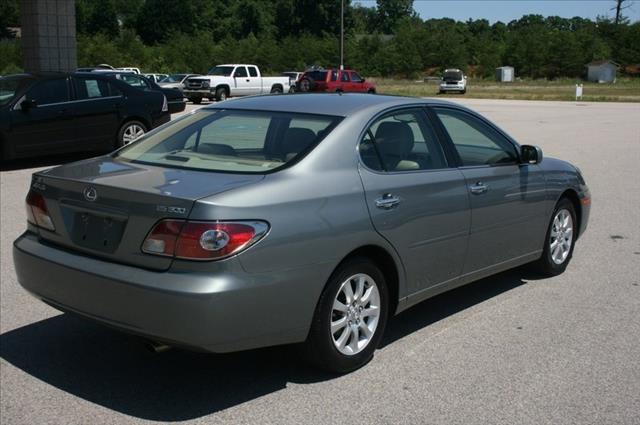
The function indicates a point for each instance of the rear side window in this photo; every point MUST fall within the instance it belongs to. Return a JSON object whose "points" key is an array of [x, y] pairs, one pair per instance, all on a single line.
{"points": [[89, 88], [50, 91], [476, 142], [253, 71], [345, 77], [402, 141], [232, 141]]}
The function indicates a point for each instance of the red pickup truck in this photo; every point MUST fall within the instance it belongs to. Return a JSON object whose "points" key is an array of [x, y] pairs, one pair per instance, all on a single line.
{"points": [[333, 80]]}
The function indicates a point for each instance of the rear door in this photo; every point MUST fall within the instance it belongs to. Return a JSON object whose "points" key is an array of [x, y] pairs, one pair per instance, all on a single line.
{"points": [[49, 125], [96, 110], [416, 200], [357, 83], [507, 197]]}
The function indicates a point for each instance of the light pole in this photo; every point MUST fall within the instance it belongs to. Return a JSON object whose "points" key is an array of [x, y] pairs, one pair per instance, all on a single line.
{"points": [[341, 35]]}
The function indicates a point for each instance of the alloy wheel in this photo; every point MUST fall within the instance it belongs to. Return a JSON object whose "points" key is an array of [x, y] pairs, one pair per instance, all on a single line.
{"points": [[355, 314], [561, 236], [131, 133]]}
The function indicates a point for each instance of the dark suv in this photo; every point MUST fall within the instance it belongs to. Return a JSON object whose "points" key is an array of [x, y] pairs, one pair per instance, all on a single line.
{"points": [[333, 80], [59, 112]]}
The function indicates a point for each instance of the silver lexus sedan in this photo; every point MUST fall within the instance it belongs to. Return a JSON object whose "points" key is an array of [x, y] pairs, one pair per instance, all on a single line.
{"points": [[294, 218]]}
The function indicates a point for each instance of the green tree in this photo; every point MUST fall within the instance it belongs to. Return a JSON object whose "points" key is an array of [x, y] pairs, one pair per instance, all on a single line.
{"points": [[391, 12]]}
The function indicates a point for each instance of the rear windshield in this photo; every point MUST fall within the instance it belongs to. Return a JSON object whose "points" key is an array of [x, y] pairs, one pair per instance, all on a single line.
{"points": [[317, 75], [231, 141]]}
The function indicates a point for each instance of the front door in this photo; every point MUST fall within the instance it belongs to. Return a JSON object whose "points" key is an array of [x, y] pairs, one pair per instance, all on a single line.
{"points": [[48, 125], [242, 82], [416, 201], [508, 211]]}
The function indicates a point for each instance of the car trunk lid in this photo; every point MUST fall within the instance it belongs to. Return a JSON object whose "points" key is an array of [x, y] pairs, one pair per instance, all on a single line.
{"points": [[105, 207]]}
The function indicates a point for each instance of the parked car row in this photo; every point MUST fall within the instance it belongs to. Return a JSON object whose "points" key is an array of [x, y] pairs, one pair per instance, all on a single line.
{"points": [[81, 111]]}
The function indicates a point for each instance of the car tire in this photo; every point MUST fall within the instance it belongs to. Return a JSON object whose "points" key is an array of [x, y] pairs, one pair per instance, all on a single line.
{"points": [[276, 90], [559, 241], [306, 85], [196, 100], [129, 132], [464, 91], [350, 346], [371, 91], [221, 94]]}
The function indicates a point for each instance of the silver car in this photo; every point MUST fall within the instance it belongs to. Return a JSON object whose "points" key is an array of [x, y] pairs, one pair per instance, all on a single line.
{"points": [[301, 218]]}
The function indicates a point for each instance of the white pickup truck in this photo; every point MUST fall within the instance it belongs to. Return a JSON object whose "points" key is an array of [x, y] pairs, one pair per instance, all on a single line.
{"points": [[223, 81]]}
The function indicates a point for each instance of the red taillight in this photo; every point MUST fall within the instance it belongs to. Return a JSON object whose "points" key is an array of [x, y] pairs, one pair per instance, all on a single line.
{"points": [[202, 240], [37, 212]]}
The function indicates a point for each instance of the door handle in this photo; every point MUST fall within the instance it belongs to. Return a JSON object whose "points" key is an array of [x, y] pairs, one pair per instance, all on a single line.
{"points": [[248, 81], [478, 188], [387, 201]]}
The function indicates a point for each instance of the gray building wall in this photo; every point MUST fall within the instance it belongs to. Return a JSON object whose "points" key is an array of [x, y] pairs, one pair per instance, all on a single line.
{"points": [[48, 35]]}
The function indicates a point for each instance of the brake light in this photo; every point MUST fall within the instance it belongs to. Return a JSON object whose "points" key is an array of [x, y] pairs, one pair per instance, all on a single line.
{"points": [[165, 104], [37, 212], [197, 240]]}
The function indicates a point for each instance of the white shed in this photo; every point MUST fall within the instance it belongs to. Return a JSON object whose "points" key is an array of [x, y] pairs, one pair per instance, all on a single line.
{"points": [[602, 71], [505, 74]]}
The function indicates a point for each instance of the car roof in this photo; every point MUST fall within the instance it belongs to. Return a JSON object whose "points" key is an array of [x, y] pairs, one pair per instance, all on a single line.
{"points": [[322, 103]]}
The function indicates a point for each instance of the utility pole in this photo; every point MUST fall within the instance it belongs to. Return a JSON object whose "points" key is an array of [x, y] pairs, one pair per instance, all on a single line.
{"points": [[341, 35], [620, 7]]}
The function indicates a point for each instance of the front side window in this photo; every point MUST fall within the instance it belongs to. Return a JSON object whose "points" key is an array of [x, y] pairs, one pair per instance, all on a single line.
{"points": [[10, 86], [50, 91], [241, 71], [232, 141], [476, 142], [90, 88], [355, 77], [334, 75], [402, 141]]}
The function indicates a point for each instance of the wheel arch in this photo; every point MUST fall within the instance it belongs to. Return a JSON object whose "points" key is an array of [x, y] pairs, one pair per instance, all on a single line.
{"points": [[224, 86], [572, 196], [277, 86], [388, 266]]}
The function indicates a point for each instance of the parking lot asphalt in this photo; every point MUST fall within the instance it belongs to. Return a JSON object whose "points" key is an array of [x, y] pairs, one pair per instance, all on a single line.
{"points": [[510, 349]]}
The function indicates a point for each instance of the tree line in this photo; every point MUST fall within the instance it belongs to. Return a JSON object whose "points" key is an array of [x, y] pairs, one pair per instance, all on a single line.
{"points": [[388, 40]]}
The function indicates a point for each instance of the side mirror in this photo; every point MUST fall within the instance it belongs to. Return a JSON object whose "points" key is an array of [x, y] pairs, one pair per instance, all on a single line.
{"points": [[363, 80], [530, 154], [27, 104]]}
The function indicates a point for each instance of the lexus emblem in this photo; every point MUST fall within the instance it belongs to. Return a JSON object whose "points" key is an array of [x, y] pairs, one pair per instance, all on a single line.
{"points": [[90, 193]]}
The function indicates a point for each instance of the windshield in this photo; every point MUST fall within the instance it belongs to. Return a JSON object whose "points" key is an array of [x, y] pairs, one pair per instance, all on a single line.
{"points": [[9, 86], [453, 75], [231, 141], [224, 71], [174, 78]]}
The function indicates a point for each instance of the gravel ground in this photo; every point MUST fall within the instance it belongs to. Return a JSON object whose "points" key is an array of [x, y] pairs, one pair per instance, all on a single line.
{"points": [[510, 349]]}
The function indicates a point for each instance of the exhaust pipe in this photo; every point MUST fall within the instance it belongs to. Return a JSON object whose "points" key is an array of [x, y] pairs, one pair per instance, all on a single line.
{"points": [[156, 347]]}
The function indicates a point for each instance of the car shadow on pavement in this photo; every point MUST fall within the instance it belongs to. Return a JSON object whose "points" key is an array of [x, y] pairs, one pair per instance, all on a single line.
{"points": [[114, 370]]}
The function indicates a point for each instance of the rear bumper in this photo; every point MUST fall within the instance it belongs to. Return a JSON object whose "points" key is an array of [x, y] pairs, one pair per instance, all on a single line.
{"points": [[176, 106], [222, 309]]}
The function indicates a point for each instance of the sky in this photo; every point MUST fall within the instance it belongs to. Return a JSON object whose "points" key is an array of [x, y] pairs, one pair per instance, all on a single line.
{"points": [[508, 10]]}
